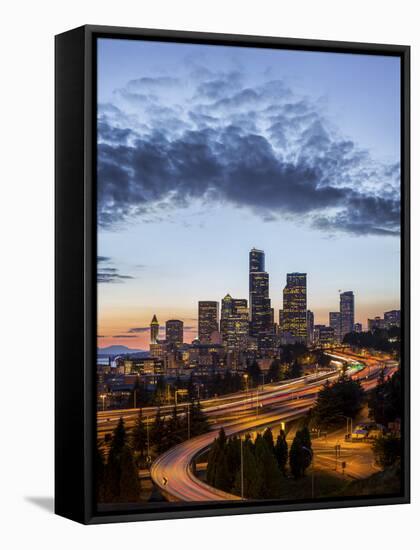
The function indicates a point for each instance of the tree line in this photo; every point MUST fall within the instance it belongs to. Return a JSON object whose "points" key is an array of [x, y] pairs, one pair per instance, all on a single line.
{"points": [[117, 472], [256, 471]]}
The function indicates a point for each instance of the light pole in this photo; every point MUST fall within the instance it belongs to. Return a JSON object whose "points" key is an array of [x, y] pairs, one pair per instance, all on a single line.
{"points": [[188, 420]]}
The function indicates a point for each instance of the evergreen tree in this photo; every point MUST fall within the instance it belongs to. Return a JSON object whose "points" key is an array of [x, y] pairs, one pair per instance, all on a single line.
{"points": [[300, 456], [268, 473], [281, 451], [100, 474], [158, 434], [139, 435], [254, 373], [274, 372], [129, 480], [222, 476], [251, 479], [175, 428], [199, 423], [113, 466], [268, 437], [295, 370]]}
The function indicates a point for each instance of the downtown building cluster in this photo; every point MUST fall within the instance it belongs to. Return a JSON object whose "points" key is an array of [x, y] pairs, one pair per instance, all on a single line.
{"points": [[234, 330], [231, 333]]}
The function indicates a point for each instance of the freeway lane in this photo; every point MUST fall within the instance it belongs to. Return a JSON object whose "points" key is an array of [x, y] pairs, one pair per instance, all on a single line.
{"points": [[233, 403], [172, 472]]}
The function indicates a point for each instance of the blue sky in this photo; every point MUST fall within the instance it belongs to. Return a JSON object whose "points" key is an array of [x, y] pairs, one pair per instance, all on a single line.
{"points": [[207, 151]]}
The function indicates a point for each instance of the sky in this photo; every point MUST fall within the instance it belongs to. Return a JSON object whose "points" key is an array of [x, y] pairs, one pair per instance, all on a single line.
{"points": [[207, 151]]}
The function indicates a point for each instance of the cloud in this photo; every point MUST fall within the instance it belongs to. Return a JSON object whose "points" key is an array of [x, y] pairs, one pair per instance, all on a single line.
{"points": [[109, 274], [124, 336], [259, 147]]}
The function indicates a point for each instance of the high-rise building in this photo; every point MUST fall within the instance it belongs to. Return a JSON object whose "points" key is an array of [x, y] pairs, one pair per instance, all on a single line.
{"points": [[294, 316], [310, 324], [323, 335], [154, 330], [234, 323], [260, 315], [346, 313], [335, 324], [392, 318], [174, 332], [208, 320], [375, 324], [256, 260], [358, 327]]}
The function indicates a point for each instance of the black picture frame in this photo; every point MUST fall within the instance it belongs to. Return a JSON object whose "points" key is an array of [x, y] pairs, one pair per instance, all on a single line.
{"points": [[75, 272]]}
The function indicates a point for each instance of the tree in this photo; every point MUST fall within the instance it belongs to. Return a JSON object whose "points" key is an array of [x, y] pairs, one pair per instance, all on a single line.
{"points": [[175, 429], [274, 372], [268, 473], [385, 401], [268, 438], [121, 477], [281, 451], [158, 433], [139, 435], [343, 398], [295, 370], [251, 479], [300, 456], [199, 423], [100, 474], [254, 372], [387, 450], [129, 481]]}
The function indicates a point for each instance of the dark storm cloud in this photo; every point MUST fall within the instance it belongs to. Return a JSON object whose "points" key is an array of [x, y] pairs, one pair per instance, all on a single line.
{"points": [[259, 148]]}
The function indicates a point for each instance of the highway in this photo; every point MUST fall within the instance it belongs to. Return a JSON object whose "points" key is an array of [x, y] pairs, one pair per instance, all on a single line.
{"points": [[172, 471], [236, 403]]}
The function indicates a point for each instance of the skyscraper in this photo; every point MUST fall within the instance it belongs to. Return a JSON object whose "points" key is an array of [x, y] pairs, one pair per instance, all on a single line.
{"points": [[256, 260], [294, 313], [234, 323], [310, 322], [335, 323], [154, 330], [174, 331], [208, 320], [346, 313], [392, 318]]}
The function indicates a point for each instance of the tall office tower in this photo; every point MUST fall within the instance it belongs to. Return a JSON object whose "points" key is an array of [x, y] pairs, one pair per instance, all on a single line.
{"points": [[174, 332], [208, 320], [154, 330], [260, 305], [392, 318], [335, 323], [256, 260], [294, 307], [346, 313], [310, 323], [234, 323]]}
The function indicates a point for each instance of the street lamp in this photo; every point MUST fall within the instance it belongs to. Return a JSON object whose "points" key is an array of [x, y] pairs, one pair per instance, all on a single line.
{"points": [[103, 397]]}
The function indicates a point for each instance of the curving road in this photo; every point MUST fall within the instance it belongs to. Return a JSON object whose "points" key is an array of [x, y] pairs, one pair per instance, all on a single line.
{"points": [[172, 471]]}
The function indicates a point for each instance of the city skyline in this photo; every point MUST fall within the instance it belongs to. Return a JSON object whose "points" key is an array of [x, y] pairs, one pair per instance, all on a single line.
{"points": [[178, 234], [211, 313]]}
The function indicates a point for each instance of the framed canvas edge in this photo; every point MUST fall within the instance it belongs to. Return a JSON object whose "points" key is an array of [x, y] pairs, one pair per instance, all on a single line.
{"points": [[91, 33]]}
